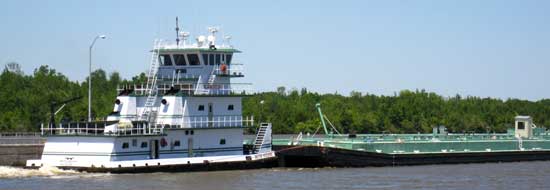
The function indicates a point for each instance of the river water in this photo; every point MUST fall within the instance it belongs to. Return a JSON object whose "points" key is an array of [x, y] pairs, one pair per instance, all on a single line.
{"points": [[516, 175]]}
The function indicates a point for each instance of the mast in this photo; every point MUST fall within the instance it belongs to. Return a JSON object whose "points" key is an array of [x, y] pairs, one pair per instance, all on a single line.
{"points": [[177, 33], [318, 105]]}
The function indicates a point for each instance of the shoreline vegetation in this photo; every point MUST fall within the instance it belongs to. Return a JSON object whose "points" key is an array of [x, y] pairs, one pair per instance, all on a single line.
{"points": [[25, 99]]}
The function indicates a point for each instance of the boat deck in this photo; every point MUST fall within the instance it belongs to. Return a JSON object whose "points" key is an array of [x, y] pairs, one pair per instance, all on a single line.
{"points": [[424, 143], [155, 164]]}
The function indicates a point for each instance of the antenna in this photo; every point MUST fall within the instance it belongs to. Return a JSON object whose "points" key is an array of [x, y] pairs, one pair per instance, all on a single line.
{"points": [[212, 37], [177, 33], [184, 35], [228, 40]]}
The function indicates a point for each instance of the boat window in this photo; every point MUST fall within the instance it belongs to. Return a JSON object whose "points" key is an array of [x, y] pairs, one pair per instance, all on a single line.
{"points": [[201, 107], [179, 59], [134, 142], [177, 143], [181, 70], [193, 59], [186, 132], [192, 132], [521, 125], [165, 60], [230, 107], [211, 59], [143, 144], [125, 145], [205, 58], [228, 59], [218, 57], [222, 141]]}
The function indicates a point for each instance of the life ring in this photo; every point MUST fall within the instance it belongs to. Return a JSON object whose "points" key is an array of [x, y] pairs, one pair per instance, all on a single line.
{"points": [[163, 142], [223, 68]]}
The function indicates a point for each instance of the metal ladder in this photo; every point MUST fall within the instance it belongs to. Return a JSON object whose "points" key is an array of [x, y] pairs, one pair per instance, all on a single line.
{"points": [[259, 141], [151, 88], [212, 77], [198, 90]]}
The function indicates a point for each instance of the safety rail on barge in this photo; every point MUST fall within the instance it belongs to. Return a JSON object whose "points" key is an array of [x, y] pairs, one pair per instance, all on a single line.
{"points": [[525, 142]]}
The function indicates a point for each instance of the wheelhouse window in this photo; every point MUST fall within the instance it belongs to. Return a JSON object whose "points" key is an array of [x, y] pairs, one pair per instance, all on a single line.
{"points": [[521, 125], [179, 59], [228, 59], [165, 60], [211, 59], [230, 107], [218, 59], [201, 107], [205, 59], [193, 59]]}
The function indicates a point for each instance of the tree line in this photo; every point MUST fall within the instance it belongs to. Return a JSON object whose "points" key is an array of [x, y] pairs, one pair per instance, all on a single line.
{"points": [[25, 100]]}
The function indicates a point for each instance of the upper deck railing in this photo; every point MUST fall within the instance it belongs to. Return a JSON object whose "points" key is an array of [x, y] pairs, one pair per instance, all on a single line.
{"points": [[216, 121], [173, 45], [189, 89], [232, 70], [100, 128]]}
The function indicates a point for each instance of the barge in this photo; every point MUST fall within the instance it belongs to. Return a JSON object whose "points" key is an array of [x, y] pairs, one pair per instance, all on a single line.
{"points": [[186, 117], [525, 142]]}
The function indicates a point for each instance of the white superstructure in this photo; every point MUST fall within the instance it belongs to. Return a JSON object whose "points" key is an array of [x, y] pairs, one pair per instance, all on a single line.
{"points": [[188, 111]]}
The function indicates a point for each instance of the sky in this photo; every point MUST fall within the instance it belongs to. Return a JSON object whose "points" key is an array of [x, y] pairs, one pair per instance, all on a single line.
{"points": [[469, 47]]}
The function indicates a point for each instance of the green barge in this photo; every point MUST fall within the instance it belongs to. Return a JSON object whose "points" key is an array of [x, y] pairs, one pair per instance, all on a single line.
{"points": [[524, 142]]}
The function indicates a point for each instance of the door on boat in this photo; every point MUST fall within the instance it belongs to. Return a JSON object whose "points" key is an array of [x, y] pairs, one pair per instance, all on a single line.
{"points": [[154, 149], [190, 147], [210, 115]]}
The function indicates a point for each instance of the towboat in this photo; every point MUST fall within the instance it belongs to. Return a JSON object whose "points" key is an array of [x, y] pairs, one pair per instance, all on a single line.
{"points": [[186, 117]]}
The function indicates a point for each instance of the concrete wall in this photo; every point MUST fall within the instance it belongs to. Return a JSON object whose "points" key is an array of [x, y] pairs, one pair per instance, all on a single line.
{"points": [[18, 154]]}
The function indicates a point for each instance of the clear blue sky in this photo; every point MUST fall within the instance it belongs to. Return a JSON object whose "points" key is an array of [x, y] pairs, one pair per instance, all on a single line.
{"points": [[470, 47]]}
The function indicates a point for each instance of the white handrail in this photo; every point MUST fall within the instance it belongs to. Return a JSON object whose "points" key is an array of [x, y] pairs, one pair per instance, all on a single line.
{"points": [[91, 129], [216, 122]]}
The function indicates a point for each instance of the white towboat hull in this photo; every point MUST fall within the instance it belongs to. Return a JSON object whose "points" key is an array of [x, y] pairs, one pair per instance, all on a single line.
{"points": [[211, 163]]}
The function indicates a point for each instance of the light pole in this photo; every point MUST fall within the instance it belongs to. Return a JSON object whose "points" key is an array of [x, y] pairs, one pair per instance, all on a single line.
{"points": [[261, 110], [90, 79]]}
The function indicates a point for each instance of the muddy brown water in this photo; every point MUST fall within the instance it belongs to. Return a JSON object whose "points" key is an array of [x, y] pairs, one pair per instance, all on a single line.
{"points": [[515, 175]]}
